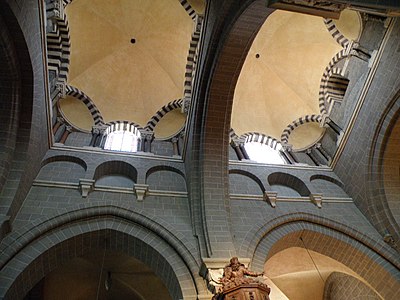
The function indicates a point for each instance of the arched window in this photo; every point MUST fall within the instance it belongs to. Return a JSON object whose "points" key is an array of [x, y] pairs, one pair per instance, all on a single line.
{"points": [[122, 137], [264, 149]]}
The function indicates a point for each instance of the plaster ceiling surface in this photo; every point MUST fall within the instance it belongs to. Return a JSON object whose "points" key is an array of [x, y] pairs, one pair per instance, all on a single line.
{"points": [[76, 112], [282, 84], [129, 81], [295, 273], [80, 279]]}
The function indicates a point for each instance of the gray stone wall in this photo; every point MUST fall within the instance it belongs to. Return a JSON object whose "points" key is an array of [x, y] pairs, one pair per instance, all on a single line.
{"points": [[22, 19]]}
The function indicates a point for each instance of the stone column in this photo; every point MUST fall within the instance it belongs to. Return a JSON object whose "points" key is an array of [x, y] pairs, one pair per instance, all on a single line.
{"points": [[68, 130]]}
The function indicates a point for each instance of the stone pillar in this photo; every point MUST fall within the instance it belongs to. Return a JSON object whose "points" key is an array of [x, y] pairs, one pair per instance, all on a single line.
{"points": [[147, 138], [238, 145], [56, 126], [311, 155], [175, 145], [68, 130], [288, 154]]}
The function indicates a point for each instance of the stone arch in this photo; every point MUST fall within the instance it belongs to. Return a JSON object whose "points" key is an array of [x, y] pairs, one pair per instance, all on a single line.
{"points": [[377, 271], [151, 124], [377, 205], [296, 123], [124, 230], [327, 178], [328, 72], [166, 178], [211, 108], [66, 158], [290, 181], [116, 167], [252, 180], [328, 186], [80, 95], [69, 169]]}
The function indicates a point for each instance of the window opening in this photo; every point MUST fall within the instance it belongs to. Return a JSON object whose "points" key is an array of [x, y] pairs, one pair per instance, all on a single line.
{"points": [[264, 150], [122, 137]]}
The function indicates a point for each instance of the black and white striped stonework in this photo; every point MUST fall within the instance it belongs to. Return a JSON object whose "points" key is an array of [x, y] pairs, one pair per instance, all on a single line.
{"points": [[189, 9], [151, 124], [190, 65], [336, 86], [78, 94], [296, 123], [329, 70], [122, 125], [262, 139], [336, 34], [58, 50]]}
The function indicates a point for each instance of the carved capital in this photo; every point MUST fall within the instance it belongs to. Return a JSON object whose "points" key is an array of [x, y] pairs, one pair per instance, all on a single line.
{"points": [[60, 120], [62, 90], [146, 135], [86, 186], [141, 191], [186, 105], [287, 147]]}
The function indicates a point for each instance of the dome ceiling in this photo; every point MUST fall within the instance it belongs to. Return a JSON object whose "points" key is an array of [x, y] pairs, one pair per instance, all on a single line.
{"points": [[128, 56], [280, 78]]}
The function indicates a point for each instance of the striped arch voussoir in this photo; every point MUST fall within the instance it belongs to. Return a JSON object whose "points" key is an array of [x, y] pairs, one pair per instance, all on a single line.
{"points": [[329, 70], [126, 124], [78, 94], [188, 8], [296, 123], [261, 138], [335, 33], [151, 124], [58, 50]]}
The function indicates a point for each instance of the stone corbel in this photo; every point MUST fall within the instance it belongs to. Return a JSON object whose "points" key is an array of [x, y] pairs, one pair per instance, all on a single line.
{"points": [[270, 197], [316, 199], [141, 191], [86, 186]]}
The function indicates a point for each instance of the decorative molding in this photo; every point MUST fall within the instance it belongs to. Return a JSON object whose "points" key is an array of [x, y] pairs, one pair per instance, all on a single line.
{"points": [[86, 186], [271, 197], [316, 199], [141, 191]]}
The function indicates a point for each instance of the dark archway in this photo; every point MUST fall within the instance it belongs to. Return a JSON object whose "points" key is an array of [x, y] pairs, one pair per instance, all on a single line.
{"points": [[16, 106]]}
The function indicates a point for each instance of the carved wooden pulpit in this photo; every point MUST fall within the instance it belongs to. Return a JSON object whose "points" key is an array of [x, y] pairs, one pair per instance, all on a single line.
{"points": [[252, 291], [237, 284]]}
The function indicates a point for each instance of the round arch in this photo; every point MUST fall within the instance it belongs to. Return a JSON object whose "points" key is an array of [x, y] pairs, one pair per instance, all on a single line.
{"points": [[359, 257], [378, 207], [53, 242]]}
